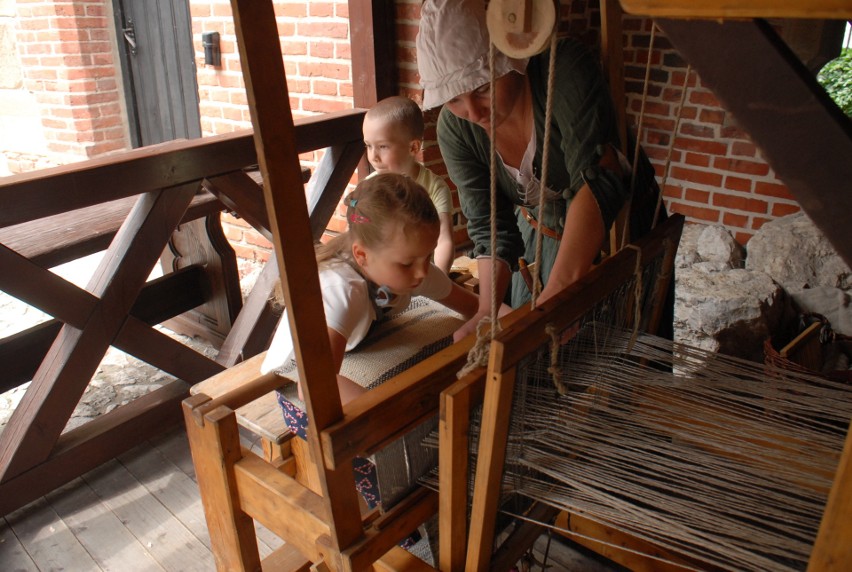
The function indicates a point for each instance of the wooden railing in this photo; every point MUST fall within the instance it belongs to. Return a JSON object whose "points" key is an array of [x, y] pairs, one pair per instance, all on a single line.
{"points": [[155, 204]]}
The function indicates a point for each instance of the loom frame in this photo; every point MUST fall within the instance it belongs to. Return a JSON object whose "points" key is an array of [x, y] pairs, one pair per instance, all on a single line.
{"points": [[324, 529]]}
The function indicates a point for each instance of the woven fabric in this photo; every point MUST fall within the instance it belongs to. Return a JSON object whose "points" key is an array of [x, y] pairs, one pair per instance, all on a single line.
{"points": [[394, 345]]}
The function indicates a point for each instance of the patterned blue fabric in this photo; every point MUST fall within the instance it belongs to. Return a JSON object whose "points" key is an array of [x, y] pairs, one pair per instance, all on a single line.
{"points": [[364, 470]]}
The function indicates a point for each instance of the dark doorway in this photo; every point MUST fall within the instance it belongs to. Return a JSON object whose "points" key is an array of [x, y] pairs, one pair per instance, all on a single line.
{"points": [[158, 65]]}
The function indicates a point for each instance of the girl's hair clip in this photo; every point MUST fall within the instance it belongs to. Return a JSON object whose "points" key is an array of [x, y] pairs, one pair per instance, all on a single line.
{"points": [[354, 216]]}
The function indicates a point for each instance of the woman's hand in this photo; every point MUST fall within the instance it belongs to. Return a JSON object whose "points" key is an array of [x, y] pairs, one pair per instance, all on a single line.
{"points": [[470, 326]]}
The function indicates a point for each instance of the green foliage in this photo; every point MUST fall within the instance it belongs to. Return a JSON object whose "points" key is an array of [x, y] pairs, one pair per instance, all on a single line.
{"points": [[836, 78]]}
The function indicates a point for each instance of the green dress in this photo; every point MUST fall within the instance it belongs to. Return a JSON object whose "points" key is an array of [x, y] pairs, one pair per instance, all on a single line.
{"points": [[583, 122]]}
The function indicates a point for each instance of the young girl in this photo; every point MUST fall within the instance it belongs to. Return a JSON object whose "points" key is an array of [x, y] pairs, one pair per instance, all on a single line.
{"points": [[372, 270]]}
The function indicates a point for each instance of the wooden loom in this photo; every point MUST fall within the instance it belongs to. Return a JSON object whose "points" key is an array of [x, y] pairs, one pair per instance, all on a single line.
{"points": [[324, 526]]}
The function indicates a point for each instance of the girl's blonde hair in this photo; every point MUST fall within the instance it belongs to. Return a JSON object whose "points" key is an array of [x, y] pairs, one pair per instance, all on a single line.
{"points": [[373, 206]]}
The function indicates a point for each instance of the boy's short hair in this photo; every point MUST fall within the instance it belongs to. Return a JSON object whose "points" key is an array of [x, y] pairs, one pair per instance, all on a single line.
{"points": [[401, 111]]}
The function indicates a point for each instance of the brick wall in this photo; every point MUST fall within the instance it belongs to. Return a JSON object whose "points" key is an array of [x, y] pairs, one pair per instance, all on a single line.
{"points": [[66, 49], [315, 45], [67, 62], [715, 174]]}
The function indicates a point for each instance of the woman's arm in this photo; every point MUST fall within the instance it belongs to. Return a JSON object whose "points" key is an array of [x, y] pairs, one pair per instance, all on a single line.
{"points": [[581, 243], [483, 310]]}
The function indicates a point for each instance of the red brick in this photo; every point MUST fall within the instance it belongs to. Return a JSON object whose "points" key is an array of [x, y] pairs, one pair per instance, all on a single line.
{"points": [[696, 196], [741, 166], [291, 9], [696, 176], [712, 116], [406, 33], [322, 49], [321, 9], [294, 48], [704, 98], [343, 51], [743, 237], [758, 222], [699, 131], [702, 146], [696, 213], [673, 192], [740, 203], [744, 149], [784, 209], [734, 220], [738, 184], [697, 160], [255, 239], [323, 29], [773, 190], [321, 87]]}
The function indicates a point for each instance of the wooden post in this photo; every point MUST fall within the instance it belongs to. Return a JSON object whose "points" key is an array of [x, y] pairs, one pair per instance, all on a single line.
{"points": [[215, 447]]}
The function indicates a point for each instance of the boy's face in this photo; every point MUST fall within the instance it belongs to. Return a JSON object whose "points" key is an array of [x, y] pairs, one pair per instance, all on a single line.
{"points": [[388, 150]]}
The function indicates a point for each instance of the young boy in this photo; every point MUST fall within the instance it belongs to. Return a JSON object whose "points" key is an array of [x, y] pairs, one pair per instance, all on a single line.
{"points": [[393, 135]]}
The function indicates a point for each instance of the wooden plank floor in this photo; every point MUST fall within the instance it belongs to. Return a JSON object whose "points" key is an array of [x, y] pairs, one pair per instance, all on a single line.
{"points": [[142, 512]]}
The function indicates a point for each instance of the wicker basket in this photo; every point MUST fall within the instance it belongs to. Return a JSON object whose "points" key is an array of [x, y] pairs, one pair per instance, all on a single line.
{"points": [[806, 352]]}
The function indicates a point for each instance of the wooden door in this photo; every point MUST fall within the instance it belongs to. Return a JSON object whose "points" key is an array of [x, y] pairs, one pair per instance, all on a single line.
{"points": [[158, 68]]}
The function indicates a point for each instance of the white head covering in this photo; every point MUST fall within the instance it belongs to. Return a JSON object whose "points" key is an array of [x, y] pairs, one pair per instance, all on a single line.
{"points": [[452, 50]]}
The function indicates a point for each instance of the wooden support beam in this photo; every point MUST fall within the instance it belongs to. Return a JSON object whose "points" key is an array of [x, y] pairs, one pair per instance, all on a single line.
{"points": [[268, 98], [820, 9], [372, 33], [215, 446], [37, 422]]}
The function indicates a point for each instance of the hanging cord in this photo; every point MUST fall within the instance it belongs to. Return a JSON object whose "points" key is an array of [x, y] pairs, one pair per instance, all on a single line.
{"points": [[637, 296], [555, 367], [545, 154], [639, 128], [683, 91]]}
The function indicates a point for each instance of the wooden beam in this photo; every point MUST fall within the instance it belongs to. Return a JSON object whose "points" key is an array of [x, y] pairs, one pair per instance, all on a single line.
{"points": [[833, 547], [372, 35], [801, 132], [286, 206], [37, 422], [820, 9], [47, 192]]}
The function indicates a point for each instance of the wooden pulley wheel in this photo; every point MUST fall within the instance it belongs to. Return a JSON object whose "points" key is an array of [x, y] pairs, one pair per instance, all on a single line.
{"points": [[521, 28]]}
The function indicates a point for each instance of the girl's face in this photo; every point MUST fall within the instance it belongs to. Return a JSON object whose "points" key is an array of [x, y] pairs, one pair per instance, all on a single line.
{"points": [[475, 105], [387, 149], [402, 261]]}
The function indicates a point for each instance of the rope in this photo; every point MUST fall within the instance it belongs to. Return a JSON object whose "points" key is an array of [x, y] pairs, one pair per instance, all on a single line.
{"points": [[555, 369], [639, 128], [545, 157], [637, 295], [683, 91]]}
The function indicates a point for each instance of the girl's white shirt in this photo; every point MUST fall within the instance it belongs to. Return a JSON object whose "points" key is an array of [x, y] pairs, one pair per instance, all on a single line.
{"points": [[348, 308]]}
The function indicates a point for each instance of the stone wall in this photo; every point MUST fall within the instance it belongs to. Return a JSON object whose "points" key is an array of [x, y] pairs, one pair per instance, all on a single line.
{"points": [[729, 299]]}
